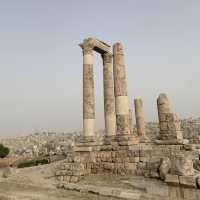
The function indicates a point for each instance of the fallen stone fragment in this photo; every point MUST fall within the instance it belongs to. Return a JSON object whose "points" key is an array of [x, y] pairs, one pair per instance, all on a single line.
{"points": [[188, 181], [182, 166], [189, 147], [164, 167], [172, 179], [196, 164]]}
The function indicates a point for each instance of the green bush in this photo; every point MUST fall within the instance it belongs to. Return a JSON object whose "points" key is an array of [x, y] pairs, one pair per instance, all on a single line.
{"points": [[31, 163], [4, 151]]}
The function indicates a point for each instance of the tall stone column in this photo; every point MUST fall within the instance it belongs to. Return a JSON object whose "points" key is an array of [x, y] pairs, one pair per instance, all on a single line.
{"points": [[163, 107], [139, 116], [120, 89], [131, 125], [109, 101], [88, 93], [169, 123]]}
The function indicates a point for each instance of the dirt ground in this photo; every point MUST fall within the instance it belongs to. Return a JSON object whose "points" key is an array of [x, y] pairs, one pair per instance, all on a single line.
{"points": [[37, 183], [12, 191]]}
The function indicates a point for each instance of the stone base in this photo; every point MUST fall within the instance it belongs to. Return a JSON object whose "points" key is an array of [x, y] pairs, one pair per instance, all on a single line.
{"points": [[109, 140], [86, 144], [142, 159], [191, 147], [83, 148], [185, 181], [118, 142], [109, 143], [80, 144], [108, 147], [87, 147], [170, 134], [195, 140], [172, 142], [86, 139], [144, 139], [126, 140]]}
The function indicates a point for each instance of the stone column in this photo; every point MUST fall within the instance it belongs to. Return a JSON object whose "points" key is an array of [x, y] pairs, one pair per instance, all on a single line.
{"points": [[131, 125], [169, 123], [88, 93], [109, 101], [139, 116], [163, 107], [120, 89]]}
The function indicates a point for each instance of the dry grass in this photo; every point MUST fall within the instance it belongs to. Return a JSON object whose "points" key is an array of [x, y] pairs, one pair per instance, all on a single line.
{"points": [[5, 162]]}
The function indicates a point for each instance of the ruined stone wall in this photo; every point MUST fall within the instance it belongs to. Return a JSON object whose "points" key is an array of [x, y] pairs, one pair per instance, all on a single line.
{"points": [[141, 159]]}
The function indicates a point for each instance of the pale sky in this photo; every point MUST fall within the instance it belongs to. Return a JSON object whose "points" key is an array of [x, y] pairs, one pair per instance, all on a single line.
{"points": [[41, 62]]}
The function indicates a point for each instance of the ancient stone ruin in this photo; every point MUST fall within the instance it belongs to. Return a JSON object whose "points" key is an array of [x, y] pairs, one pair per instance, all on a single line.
{"points": [[123, 151], [170, 129]]}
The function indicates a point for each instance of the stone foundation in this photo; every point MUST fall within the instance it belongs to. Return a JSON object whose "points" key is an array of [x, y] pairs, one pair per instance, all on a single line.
{"points": [[143, 159]]}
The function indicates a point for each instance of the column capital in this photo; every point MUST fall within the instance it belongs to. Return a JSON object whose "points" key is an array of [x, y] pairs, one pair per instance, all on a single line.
{"points": [[87, 48], [107, 57], [118, 48]]}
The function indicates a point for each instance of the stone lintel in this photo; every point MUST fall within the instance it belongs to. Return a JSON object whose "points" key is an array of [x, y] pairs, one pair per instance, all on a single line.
{"points": [[97, 45]]}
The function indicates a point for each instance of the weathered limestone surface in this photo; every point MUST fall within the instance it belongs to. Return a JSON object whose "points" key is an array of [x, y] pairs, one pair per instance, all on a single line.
{"points": [[120, 88], [139, 116], [170, 128], [131, 125], [163, 105], [109, 100], [141, 189], [188, 181], [164, 168], [182, 165], [97, 45], [88, 91], [149, 160], [172, 179], [104, 191], [88, 46]]}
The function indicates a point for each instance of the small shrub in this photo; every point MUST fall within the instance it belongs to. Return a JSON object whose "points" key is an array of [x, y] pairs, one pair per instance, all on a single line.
{"points": [[4, 151], [31, 163]]}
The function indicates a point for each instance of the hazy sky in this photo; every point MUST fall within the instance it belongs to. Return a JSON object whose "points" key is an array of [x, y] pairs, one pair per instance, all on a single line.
{"points": [[41, 62]]}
